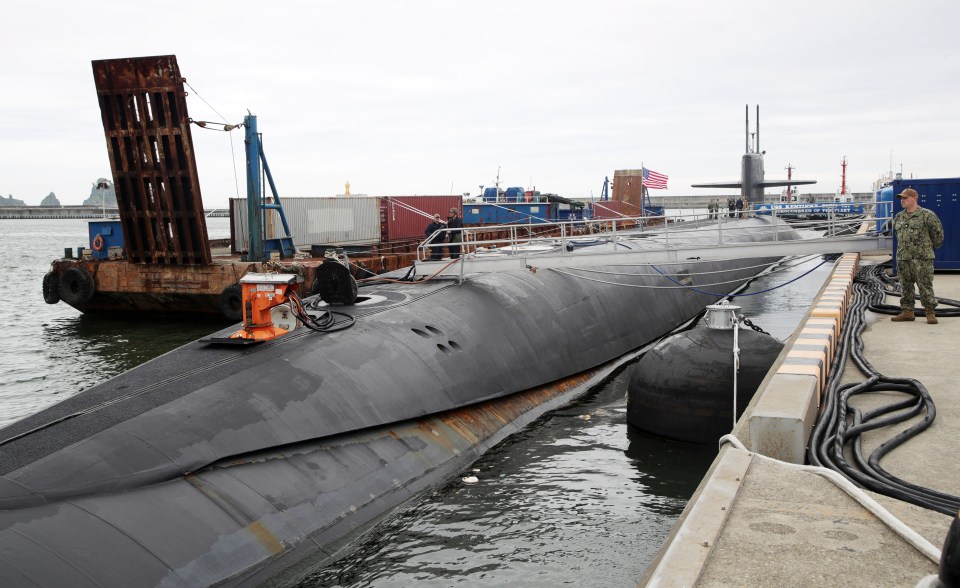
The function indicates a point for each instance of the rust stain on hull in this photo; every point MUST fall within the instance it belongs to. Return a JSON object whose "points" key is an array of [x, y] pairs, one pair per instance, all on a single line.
{"points": [[478, 422]]}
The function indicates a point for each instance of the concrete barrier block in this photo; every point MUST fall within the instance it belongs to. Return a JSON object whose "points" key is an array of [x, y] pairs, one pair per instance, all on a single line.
{"points": [[784, 416], [825, 322]]}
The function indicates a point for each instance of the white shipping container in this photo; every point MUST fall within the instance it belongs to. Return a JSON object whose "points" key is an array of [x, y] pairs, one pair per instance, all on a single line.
{"points": [[353, 220]]}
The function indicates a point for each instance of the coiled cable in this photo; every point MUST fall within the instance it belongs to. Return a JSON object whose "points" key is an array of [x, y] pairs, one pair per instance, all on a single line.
{"points": [[840, 426]]}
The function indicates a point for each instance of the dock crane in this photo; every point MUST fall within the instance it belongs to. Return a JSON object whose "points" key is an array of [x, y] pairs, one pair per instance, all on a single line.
{"points": [[260, 248]]}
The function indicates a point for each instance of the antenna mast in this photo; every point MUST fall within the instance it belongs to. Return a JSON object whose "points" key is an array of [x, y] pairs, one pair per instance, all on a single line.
{"points": [[747, 128], [843, 177], [789, 169]]}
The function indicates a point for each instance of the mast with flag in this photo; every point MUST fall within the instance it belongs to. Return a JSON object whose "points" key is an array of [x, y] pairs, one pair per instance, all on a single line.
{"points": [[651, 180], [654, 180]]}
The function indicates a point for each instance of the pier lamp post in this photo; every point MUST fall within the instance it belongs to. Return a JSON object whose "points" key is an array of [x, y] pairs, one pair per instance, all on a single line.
{"points": [[101, 187]]}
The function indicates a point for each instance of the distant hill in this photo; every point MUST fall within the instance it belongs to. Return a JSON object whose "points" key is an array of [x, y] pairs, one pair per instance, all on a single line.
{"points": [[50, 200], [11, 201]]}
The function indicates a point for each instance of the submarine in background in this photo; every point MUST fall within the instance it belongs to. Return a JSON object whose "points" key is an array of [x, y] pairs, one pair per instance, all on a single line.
{"points": [[752, 178]]}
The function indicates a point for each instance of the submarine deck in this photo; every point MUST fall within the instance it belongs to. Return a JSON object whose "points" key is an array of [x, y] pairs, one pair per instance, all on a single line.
{"points": [[756, 521]]}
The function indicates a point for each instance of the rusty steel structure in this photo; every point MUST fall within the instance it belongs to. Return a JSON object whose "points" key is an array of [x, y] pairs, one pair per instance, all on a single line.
{"points": [[144, 110]]}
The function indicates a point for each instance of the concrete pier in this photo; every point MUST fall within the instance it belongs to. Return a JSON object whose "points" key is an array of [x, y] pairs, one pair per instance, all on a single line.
{"points": [[760, 519]]}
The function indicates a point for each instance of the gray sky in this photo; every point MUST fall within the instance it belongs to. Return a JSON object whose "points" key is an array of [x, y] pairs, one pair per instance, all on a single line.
{"points": [[431, 97]]}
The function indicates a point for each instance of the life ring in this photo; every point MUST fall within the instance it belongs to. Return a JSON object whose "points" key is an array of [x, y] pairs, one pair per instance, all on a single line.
{"points": [[76, 286], [98, 243], [231, 303], [51, 288]]}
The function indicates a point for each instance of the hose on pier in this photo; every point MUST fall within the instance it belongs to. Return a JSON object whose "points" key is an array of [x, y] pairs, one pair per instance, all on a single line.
{"points": [[840, 426]]}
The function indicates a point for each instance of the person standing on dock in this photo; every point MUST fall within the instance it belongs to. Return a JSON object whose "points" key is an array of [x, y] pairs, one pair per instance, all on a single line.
{"points": [[454, 222], [436, 252], [919, 232], [739, 206]]}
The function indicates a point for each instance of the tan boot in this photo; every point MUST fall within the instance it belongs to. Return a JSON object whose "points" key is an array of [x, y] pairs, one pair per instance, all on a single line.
{"points": [[905, 315], [932, 316]]}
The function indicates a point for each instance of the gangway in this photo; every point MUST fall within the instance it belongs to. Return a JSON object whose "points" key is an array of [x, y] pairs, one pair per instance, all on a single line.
{"points": [[632, 241]]}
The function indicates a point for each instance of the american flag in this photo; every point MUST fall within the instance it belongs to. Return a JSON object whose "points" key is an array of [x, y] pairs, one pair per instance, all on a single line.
{"points": [[654, 180]]}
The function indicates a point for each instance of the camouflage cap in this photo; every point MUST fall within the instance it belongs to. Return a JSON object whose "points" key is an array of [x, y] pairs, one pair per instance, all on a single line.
{"points": [[908, 193]]}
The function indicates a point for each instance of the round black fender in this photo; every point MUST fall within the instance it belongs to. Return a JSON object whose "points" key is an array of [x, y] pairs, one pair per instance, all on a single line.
{"points": [[51, 288], [337, 285], [682, 389], [231, 302], [76, 286]]}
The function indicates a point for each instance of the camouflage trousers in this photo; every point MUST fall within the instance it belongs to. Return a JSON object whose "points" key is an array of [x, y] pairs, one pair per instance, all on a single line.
{"points": [[919, 272]]}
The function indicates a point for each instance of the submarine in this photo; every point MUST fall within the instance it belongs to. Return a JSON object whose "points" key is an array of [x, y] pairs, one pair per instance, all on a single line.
{"points": [[228, 464], [271, 445]]}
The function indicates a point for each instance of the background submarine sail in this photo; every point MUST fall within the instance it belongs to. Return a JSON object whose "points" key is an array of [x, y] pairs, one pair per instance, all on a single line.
{"points": [[752, 181]]}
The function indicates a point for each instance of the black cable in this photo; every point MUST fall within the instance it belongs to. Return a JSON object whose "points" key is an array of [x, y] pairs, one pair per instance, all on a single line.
{"points": [[840, 427], [891, 286], [325, 323]]}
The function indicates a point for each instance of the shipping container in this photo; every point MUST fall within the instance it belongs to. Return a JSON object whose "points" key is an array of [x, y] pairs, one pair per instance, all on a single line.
{"points": [[406, 217], [605, 209], [940, 196], [351, 220], [489, 213]]}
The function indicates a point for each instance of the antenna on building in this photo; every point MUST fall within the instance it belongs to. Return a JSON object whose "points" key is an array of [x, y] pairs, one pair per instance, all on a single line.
{"points": [[789, 169], [843, 176]]}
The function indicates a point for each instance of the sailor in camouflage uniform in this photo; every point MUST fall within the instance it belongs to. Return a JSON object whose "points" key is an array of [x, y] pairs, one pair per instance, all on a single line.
{"points": [[919, 232]]}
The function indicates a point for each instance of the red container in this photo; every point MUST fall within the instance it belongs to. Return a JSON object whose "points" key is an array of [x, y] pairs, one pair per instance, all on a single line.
{"points": [[407, 217], [604, 209]]}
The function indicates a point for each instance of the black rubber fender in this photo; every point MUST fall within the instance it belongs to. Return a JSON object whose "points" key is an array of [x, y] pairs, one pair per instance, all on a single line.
{"points": [[51, 288], [337, 285], [231, 303], [76, 286]]}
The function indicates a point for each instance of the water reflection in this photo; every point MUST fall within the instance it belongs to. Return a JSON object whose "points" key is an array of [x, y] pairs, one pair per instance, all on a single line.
{"points": [[667, 467], [49, 352], [570, 499]]}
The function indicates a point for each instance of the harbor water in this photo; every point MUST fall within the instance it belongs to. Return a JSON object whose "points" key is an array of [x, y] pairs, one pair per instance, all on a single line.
{"points": [[49, 352], [575, 498]]}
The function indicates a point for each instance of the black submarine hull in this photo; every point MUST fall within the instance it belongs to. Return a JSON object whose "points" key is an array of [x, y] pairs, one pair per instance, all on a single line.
{"points": [[218, 465]]}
